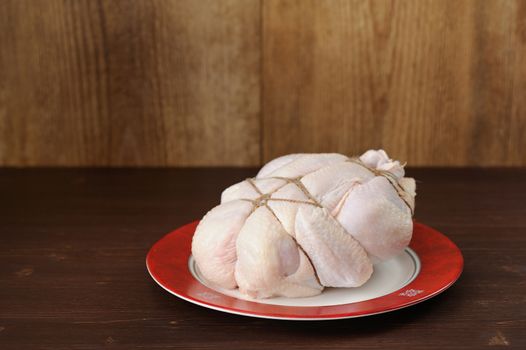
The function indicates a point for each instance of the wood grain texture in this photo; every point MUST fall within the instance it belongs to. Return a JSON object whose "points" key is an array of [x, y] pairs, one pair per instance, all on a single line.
{"points": [[73, 276], [239, 82], [129, 82], [432, 82]]}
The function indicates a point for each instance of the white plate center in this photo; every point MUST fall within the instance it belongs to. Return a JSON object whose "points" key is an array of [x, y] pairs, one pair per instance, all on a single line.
{"points": [[388, 276]]}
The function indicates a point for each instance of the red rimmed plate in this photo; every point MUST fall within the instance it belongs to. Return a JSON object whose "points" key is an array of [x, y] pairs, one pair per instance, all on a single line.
{"points": [[429, 266]]}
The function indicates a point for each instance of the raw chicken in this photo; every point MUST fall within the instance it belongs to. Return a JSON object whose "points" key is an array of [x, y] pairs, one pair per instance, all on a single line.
{"points": [[305, 222]]}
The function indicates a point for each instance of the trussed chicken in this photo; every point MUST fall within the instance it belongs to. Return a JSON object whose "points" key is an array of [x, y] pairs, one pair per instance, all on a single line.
{"points": [[305, 222]]}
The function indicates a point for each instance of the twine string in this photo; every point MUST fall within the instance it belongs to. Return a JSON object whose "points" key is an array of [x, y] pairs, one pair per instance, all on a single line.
{"points": [[389, 177]]}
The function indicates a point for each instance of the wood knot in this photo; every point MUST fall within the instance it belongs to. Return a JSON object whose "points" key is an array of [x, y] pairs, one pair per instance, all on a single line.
{"points": [[498, 340], [26, 272]]}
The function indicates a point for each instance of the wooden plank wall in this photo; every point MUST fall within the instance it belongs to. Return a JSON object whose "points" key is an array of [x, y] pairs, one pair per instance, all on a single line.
{"points": [[238, 82], [130, 82]]}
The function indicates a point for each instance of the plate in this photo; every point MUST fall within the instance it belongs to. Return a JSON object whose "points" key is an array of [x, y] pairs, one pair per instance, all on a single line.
{"points": [[426, 268]]}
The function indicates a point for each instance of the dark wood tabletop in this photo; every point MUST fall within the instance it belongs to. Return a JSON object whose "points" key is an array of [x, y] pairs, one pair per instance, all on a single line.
{"points": [[73, 244]]}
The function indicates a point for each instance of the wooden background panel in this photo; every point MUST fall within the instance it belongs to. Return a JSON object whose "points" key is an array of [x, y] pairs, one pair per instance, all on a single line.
{"points": [[432, 82], [178, 83], [129, 82]]}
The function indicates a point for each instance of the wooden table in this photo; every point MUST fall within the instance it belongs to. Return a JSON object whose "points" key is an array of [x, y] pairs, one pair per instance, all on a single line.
{"points": [[72, 271]]}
